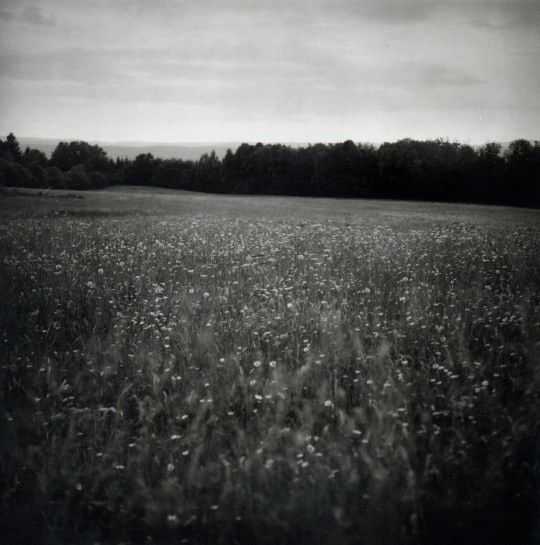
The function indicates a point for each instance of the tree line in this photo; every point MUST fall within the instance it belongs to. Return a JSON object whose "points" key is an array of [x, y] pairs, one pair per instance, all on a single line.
{"points": [[430, 170]]}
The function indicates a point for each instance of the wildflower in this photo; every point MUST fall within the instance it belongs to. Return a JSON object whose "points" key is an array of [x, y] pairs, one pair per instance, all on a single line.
{"points": [[170, 467], [100, 271], [90, 285], [272, 363], [256, 363], [327, 403]]}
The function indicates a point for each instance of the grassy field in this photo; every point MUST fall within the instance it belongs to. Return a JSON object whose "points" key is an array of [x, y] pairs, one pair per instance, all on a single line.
{"points": [[202, 369]]}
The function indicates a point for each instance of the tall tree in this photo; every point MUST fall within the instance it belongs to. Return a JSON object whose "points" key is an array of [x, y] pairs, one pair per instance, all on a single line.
{"points": [[32, 155], [142, 170], [71, 154], [10, 149], [523, 172]]}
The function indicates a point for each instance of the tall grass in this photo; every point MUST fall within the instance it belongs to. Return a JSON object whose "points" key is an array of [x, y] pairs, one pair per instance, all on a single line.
{"points": [[195, 380]]}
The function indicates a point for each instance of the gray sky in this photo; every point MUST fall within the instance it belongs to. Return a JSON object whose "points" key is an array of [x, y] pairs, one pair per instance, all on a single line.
{"points": [[274, 70]]}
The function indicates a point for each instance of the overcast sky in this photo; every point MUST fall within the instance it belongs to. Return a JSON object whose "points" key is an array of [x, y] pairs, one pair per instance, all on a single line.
{"points": [[273, 70]]}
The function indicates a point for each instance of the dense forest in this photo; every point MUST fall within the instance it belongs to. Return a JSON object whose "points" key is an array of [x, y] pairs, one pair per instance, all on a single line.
{"points": [[432, 170]]}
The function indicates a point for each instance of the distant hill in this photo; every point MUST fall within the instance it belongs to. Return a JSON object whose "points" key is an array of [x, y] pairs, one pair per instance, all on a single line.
{"points": [[186, 151], [166, 151], [130, 150]]}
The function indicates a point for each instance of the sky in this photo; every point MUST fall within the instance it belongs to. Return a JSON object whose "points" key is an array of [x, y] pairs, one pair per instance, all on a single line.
{"points": [[270, 71]]}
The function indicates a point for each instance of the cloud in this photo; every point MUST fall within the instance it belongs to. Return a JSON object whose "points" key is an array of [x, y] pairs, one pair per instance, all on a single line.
{"points": [[34, 16], [204, 73], [6, 15], [438, 75], [388, 11], [520, 13], [285, 11], [497, 14], [63, 65], [278, 60], [30, 15]]}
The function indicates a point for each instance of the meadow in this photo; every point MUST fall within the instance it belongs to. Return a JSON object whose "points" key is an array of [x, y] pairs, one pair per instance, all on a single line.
{"points": [[201, 369]]}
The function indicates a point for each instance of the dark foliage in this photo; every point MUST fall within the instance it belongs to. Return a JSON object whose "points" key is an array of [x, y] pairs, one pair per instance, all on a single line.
{"points": [[69, 155], [431, 170]]}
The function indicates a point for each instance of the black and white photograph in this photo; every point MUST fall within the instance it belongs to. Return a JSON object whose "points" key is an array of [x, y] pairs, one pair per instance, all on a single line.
{"points": [[269, 272]]}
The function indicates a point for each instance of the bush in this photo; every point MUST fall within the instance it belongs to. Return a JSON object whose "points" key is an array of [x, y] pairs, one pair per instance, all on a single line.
{"points": [[79, 178], [15, 174], [56, 178]]}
